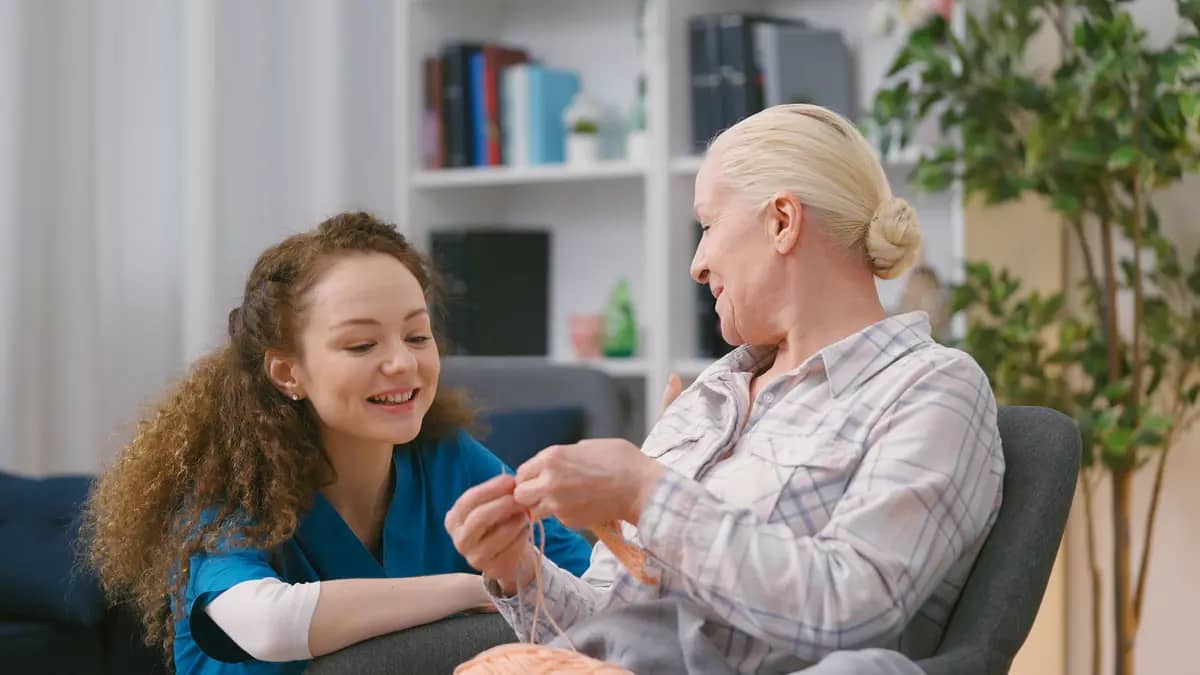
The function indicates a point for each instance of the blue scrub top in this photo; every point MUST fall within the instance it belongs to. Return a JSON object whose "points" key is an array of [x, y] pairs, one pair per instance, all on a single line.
{"points": [[429, 478]]}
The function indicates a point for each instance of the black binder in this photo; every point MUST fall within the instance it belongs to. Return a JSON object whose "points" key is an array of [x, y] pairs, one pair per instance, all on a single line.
{"points": [[497, 291]]}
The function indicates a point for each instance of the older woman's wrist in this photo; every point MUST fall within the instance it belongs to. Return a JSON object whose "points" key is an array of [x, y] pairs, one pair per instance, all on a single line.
{"points": [[649, 475]]}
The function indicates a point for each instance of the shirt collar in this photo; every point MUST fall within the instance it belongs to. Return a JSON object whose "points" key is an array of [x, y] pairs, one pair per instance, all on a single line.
{"points": [[851, 361]]}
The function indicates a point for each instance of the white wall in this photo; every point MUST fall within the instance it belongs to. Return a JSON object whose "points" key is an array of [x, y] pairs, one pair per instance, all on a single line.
{"points": [[149, 150]]}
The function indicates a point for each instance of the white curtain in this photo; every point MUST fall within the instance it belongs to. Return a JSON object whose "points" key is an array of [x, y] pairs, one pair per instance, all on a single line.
{"points": [[149, 150]]}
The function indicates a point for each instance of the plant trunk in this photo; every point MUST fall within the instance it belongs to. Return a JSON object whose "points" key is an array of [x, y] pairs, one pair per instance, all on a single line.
{"points": [[1148, 539], [1125, 623], [1090, 267], [1111, 334], [1094, 569], [1139, 299]]}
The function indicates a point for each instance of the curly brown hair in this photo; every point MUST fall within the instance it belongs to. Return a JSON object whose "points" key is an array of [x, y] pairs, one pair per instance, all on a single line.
{"points": [[225, 440]]}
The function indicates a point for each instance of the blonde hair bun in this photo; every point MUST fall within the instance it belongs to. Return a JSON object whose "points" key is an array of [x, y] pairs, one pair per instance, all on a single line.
{"points": [[893, 238]]}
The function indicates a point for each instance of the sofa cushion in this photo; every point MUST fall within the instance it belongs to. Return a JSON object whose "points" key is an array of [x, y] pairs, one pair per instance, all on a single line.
{"points": [[39, 647], [432, 649], [516, 435], [39, 528]]}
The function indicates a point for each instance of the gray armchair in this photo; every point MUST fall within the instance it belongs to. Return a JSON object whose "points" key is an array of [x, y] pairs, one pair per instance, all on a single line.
{"points": [[989, 624], [1001, 598]]}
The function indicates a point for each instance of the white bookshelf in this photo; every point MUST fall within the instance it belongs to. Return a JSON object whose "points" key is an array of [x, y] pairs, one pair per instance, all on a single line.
{"points": [[617, 219], [525, 175]]}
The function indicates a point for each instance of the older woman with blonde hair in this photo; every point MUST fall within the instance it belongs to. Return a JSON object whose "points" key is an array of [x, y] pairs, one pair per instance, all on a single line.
{"points": [[825, 486]]}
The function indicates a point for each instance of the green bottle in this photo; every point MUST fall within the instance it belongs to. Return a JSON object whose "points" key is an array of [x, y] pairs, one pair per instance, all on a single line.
{"points": [[620, 329]]}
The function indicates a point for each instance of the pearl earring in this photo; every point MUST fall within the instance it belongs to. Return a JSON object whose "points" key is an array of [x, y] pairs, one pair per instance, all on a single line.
{"points": [[295, 397]]}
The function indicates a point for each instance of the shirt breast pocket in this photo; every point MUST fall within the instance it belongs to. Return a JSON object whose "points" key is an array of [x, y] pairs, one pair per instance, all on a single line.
{"points": [[807, 476]]}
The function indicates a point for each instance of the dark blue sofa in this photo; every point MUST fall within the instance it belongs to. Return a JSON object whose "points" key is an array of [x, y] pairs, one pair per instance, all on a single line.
{"points": [[53, 617]]}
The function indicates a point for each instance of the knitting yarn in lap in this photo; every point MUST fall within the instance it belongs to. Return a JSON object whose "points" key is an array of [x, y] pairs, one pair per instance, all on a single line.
{"points": [[632, 557], [528, 659]]}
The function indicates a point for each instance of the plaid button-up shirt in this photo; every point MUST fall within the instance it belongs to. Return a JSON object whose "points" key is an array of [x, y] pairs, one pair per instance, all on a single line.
{"points": [[846, 512]]}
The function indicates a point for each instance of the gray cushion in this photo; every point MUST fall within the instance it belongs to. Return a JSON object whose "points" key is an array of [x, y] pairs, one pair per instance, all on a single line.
{"points": [[1000, 600], [433, 649], [515, 383]]}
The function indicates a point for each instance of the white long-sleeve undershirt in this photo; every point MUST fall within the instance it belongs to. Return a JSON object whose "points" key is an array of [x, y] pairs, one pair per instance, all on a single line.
{"points": [[268, 618]]}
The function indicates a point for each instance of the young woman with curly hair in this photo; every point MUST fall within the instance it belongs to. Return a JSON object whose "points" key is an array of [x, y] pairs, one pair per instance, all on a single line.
{"points": [[287, 499]]}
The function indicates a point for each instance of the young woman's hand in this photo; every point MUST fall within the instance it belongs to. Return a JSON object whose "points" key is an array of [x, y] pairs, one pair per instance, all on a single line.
{"points": [[490, 529]]}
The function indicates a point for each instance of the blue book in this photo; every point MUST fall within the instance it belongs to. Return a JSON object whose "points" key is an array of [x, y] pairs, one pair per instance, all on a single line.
{"points": [[478, 111], [550, 92]]}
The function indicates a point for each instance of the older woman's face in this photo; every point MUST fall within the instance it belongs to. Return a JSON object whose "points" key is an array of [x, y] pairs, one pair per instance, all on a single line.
{"points": [[735, 259]]}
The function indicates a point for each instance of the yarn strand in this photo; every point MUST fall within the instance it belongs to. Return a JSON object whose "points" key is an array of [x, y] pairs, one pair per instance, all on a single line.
{"points": [[528, 658]]}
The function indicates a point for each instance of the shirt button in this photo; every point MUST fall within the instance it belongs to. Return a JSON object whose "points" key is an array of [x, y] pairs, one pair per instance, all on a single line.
{"points": [[768, 398]]}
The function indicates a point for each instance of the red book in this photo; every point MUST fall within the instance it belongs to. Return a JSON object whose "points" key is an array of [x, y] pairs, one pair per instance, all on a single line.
{"points": [[496, 59], [433, 126]]}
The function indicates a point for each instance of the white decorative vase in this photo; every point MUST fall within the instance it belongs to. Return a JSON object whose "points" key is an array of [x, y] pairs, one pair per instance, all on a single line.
{"points": [[582, 149], [635, 147]]}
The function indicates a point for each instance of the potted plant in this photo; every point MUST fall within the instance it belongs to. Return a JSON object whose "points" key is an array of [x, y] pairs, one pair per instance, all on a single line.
{"points": [[583, 132], [1095, 133]]}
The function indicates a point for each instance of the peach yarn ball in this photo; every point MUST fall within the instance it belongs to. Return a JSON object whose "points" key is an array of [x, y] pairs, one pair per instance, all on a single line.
{"points": [[528, 659]]}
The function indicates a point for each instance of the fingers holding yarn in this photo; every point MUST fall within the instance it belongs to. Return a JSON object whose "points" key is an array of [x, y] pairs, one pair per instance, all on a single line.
{"points": [[484, 519], [502, 542], [534, 466], [487, 491]]}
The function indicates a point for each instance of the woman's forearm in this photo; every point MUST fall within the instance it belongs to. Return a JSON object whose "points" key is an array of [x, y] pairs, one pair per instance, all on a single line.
{"points": [[352, 610]]}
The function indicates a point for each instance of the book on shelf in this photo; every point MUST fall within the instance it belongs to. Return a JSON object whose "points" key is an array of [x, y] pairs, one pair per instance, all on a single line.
{"points": [[533, 100], [433, 144], [734, 58], [486, 67], [787, 56], [550, 92], [457, 103], [497, 283], [705, 63], [514, 110]]}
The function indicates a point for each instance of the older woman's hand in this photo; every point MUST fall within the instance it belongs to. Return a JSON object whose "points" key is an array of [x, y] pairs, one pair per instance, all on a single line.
{"points": [[589, 483], [593, 482]]}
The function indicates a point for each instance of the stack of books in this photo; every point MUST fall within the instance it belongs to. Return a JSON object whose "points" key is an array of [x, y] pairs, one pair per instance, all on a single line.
{"points": [[490, 105]]}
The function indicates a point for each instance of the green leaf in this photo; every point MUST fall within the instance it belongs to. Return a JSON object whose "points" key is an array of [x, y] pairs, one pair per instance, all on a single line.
{"points": [[1160, 423], [1127, 273], [1117, 443], [1190, 10], [1084, 36], [1117, 390], [1189, 105], [1148, 438], [1156, 316], [1050, 309], [903, 60], [1192, 394], [961, 297], [933, 176], [1122, 158], [1084, 149], [1066, 203]]}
